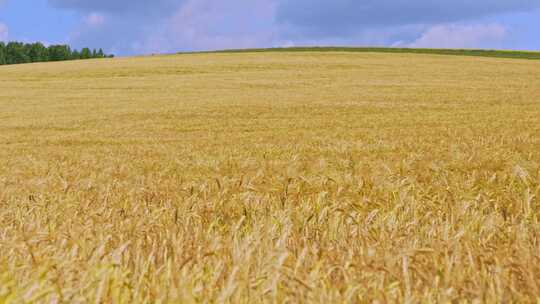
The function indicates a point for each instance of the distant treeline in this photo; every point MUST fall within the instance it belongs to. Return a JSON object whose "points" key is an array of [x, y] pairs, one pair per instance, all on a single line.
{"points": [[18, 52]]}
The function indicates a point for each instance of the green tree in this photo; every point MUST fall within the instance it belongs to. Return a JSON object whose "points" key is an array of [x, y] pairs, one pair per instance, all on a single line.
{"points": [[38, 52], [59, 52], [86, 53], [16, 53], [75, 55], [2, 53]]}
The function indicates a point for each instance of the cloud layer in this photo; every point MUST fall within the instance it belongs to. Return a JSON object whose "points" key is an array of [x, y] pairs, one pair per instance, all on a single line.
{"points": [[340, 16], [120, 7], [141, 26], [462, 36], [208, 24], [4, 32]]}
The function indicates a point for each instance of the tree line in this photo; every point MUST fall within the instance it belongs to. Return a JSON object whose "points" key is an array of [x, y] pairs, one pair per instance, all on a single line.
{"points": [[18, 52]]}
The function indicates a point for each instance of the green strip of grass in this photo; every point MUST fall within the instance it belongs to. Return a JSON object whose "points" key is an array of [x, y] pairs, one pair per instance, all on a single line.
{"points": [[457, 52]]}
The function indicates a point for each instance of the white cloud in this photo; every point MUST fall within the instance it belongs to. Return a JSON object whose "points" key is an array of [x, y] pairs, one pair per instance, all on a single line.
{"points": [[213, 24], [327, 18], [95, 19], [461, 36], [4, 32], [165, 26]]}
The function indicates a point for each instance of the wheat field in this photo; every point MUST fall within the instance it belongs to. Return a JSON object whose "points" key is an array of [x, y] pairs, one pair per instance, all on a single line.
{"points": [[282, 177]]}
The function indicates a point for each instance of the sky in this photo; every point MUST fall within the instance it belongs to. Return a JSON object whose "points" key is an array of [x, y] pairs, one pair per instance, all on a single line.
{"points": [[133, 27]]}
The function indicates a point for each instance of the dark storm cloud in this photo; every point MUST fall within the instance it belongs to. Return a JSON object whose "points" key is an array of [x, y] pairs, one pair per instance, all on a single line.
{"points": [[320, 17]]}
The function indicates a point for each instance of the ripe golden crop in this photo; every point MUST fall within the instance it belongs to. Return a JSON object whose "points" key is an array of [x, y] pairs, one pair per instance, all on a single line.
{"points": [[270, 177]]}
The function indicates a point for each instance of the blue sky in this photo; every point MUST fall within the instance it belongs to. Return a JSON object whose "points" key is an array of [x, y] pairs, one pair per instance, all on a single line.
{"points": [[127, 27]]}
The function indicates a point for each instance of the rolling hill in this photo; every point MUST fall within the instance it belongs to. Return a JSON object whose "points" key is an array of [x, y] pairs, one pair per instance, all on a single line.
{"points": [[300, 176]]}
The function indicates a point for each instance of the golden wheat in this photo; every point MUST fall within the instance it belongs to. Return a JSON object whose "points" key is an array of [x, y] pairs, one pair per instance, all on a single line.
{"points": [[270, 178]]}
